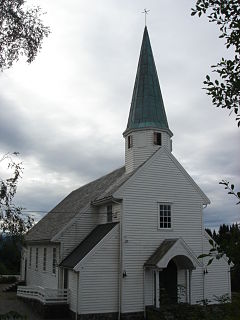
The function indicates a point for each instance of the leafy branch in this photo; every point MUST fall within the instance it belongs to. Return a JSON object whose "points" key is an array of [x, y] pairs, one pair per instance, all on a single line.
{"points": [[230, 188], [21, 32], [225, 90], [214, 253], [12, 219]]}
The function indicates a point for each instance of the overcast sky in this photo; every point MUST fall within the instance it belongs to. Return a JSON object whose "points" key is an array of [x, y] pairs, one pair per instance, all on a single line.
{"points": [[65, 113]]}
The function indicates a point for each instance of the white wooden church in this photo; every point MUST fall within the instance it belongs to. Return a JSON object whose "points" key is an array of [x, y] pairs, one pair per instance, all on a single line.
{"points": [[131, 238]]}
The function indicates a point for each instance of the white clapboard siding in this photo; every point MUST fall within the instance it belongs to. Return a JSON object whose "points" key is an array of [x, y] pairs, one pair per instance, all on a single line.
{"points": [[39, 277], [99, 278], [143, 147], [160, 180], [80, 226], [72, 286], [149, 287], [217, 279]]}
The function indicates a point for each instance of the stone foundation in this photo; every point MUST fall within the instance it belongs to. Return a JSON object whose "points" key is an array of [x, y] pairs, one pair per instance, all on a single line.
{"points": [[108, 316], [52, 311]]}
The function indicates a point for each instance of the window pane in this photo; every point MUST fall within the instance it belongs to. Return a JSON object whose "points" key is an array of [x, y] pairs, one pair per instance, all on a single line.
{"points": [[165, 216]]}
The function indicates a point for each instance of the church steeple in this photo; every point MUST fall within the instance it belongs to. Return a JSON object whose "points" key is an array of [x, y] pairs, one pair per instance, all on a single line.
{"points": [[147, 107], [147, 127]]}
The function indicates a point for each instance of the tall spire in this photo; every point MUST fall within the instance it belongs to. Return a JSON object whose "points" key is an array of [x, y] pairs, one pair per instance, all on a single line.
{"points": [[147, 107]]}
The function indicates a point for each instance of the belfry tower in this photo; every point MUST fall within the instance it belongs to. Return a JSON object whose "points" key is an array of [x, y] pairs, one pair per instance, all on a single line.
{"points": [[147, 127]]}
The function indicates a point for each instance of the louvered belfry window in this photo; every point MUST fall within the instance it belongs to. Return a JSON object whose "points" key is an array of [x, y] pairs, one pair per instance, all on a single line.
{"points": [[130, 142], [157, 138]]}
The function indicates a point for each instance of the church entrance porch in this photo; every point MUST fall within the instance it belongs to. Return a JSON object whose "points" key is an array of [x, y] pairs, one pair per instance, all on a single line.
{"points": [[170, 268]]}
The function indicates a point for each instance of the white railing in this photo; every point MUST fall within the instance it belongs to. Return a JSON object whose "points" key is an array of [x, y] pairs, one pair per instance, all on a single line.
{"points": [[44, 295]]}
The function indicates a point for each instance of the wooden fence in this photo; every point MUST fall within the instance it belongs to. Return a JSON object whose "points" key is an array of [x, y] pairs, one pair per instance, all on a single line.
{"points": [[44, 295]]}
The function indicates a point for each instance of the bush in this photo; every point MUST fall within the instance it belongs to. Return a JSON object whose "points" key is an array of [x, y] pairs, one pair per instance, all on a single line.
{"points": [[10, 279]]}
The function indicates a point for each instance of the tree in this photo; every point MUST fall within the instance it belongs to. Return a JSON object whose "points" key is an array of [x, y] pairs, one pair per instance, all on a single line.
{"points": [[21, 32], [12, 220], [225, 91], [225, 88]]}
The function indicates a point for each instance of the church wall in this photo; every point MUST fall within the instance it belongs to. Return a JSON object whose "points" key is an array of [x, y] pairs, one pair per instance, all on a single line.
{"points": [[72, 285], [160, 180], [217, 279], [149, 287], [99, 279], [39, 277], [79, 228]]}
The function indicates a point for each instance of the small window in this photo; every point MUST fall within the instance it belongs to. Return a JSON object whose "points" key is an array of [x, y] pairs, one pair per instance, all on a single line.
{"points": [[44, 258], [54, 260], [109, 213], [165, 218], [36, 265], [130, 142], [157, 138], [30, 257]]}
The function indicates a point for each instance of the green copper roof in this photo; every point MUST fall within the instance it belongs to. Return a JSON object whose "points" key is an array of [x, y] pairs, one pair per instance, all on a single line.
{"points": [[147, 108]]}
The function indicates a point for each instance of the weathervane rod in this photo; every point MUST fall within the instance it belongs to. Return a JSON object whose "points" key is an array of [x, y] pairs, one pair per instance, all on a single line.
{"points": [[145, 12]]}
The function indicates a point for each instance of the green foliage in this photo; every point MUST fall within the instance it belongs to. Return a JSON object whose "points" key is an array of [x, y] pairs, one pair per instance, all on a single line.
{"points": [[10, 254], [10, 279], [224, 91], [12, 315], [21, 32], [12, 219], [203, 311], [227, 241]]}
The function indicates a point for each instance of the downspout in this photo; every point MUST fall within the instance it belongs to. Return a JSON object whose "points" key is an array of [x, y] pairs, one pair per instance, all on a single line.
{"points": [[76, 315], [120, 271], [203, 271], [144, 309]]}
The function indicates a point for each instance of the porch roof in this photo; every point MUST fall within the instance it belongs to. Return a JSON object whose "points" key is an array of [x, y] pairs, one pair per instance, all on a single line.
{"points": [[175, 249]]}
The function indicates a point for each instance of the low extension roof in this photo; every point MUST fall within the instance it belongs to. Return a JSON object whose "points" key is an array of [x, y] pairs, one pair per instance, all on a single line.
{"points": [[87, 245], [76, 201]]}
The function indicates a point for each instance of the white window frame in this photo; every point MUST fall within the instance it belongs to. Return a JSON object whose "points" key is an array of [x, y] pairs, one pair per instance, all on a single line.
{"points": [[171, 216]]}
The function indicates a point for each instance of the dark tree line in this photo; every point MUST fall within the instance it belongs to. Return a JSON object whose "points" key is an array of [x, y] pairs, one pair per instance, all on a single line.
{"points": [[228, 239], [10, 253]]}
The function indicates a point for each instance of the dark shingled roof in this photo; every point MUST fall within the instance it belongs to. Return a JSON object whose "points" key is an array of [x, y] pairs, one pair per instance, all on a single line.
{"points": [[58, 217], [160, 252], [87, 245]]}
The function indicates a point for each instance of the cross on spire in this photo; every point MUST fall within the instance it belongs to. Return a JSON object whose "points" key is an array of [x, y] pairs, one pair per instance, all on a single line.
{"points": [[145, 12]]}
